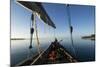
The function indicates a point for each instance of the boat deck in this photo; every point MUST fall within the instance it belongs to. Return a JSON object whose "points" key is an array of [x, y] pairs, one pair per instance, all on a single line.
{"points": [[55, 54]]}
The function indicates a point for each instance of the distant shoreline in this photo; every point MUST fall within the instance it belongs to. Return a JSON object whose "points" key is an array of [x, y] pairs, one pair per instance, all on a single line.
{"points": [[90, 37], [24, 38], [18, 39]]}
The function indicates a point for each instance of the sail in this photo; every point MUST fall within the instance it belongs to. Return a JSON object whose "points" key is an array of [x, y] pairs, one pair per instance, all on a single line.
{"points": [[39, 9]]}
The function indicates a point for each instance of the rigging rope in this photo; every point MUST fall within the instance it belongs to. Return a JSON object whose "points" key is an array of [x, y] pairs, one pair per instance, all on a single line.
{"points": [[71, 29], [36, 32], [31, 36], [33, 23], [54, 34], [31, 31]]}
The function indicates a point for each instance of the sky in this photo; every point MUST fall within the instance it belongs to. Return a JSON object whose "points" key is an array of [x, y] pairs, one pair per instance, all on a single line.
{"points": [[82, 20]]}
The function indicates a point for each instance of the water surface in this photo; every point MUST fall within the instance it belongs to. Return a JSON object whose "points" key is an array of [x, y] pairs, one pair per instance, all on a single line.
{"points": [[84, 49]]}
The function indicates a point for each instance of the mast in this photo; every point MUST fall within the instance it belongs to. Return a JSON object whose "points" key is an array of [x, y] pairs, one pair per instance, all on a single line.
{"points": [[71, 29]]}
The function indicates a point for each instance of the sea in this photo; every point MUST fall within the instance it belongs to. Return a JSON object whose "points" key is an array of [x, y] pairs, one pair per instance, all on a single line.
{"points": [[84, 48]]}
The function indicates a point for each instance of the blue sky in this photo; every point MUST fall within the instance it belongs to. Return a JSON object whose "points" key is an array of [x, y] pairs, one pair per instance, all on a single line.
{"points": [[82, 19]]}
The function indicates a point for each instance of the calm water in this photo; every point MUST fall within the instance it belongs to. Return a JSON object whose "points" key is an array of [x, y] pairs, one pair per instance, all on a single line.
{"points": [[85, 49]]}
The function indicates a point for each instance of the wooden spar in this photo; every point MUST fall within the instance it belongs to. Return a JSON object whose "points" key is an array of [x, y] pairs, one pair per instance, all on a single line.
{"points": [[71, 29]]}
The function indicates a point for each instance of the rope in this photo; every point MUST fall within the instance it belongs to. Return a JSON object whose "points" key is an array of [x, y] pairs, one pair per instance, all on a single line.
{"points": [[36, 32], [54, 34], [49, 34], [31, 31], [31, 36], [71, 29]]}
